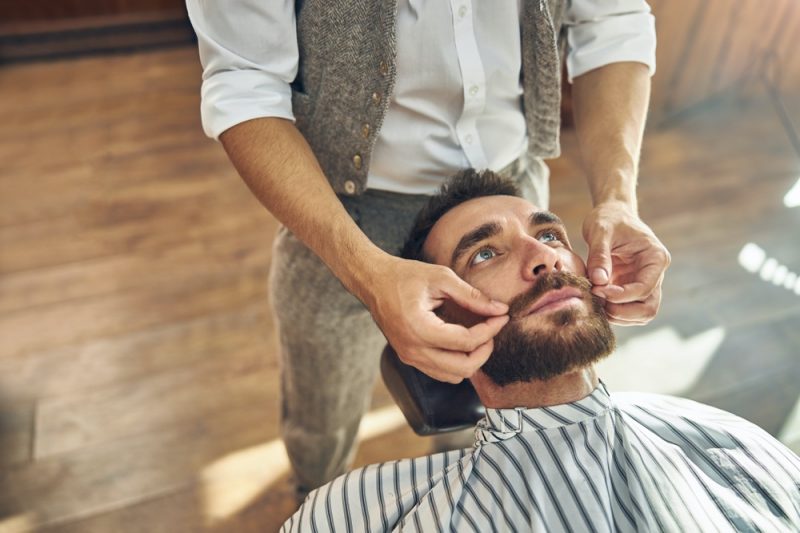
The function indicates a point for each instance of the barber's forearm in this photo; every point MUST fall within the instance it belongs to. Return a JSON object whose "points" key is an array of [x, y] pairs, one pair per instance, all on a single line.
{"points": [[610, 108], [280, 169]]}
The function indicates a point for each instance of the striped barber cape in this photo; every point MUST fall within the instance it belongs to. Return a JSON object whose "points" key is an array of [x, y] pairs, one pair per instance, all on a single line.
{"points": [[631, 462]]}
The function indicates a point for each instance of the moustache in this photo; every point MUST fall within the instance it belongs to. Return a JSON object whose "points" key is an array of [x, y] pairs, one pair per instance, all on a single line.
{"points": [[547, 282]]}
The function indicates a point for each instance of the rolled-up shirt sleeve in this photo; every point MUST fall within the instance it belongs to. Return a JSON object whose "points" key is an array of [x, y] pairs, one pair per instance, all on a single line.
{"points": [[600, 32], [248, 50]]}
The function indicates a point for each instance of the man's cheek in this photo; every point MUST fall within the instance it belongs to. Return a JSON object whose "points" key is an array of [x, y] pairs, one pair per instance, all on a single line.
{"points": [[576, 265]]}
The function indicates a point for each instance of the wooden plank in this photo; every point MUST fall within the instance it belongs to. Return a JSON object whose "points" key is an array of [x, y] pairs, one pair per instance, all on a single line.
{"points": [[760, 49], [83, 189], [788, 71], [184, 510], [104, 316], [53, 84], [695, 83], [59, 10], [16, 431], [226, 380], [120, 473], [739, 57], [141, 270], [99, 363], [188, 509], [790, 59], [673, 24], [69, 239], [731, 32]]}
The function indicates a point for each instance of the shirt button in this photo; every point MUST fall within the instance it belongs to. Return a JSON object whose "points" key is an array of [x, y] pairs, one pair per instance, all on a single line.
{"points": [[349, 187], [473, 91], [357, 161], [468, 139], [383, 68], [365, 131], [462, 11], [376, 98]]}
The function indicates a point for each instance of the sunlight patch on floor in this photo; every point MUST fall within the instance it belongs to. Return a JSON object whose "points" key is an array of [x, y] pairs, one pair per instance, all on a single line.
{"points": [[229, 484], [660, 361], [15, 524]]}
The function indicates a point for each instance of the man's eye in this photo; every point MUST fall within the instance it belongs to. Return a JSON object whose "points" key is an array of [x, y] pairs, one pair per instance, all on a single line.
{"points": [[549, 236], [483, 255]]}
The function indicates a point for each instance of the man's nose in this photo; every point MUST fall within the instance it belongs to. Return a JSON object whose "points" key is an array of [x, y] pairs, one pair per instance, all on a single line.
{"points": [[539, 259]]}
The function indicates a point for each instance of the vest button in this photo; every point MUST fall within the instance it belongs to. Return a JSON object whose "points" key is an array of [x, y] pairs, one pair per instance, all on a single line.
{"points": [[357, 161], [376, 98], [365, 130], [383, 68], [349, 187]]}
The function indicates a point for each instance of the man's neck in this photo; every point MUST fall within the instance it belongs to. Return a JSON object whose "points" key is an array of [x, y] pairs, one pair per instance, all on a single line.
{"points": [[561, 389]]}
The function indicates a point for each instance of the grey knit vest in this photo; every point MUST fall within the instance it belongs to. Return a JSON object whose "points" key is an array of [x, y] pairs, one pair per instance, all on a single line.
{"points": [[347, 73]]}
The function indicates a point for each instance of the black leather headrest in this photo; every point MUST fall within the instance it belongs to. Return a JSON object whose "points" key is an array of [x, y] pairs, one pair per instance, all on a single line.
{"points": [[429, 405]]}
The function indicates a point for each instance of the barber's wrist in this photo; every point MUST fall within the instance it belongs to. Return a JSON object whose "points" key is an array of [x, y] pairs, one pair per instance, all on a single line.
{"points": [[364, 276], [616, 189]]}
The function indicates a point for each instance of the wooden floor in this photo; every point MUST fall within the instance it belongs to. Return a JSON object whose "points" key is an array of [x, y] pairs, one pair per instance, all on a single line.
{"points": [[138, 370]]}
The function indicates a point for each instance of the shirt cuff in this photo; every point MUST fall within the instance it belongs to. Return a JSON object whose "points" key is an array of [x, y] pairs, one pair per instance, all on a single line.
{"points": [[594, 44], [232, 97]]}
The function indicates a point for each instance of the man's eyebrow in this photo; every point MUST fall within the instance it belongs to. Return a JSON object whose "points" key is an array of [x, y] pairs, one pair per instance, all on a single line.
{"points": [[473, 237], [539, 218]]}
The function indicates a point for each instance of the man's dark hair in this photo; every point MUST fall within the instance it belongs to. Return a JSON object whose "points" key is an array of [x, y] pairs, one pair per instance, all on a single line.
{"points": [[466, 185]]}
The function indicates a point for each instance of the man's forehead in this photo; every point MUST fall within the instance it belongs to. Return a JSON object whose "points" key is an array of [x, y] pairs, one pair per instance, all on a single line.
{"points": [[472, 214]]}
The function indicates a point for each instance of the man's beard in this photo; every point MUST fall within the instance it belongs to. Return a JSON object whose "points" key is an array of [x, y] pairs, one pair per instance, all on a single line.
{"points": [[568, 339]]}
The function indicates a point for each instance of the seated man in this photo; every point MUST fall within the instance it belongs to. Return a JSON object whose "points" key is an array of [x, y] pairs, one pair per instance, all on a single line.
{"points": [[556, 451]]}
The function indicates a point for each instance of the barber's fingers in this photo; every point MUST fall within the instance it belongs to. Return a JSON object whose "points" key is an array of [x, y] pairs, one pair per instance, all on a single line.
{"points": [[467, 296], [454, 337], [646, 280], [634, 313], [453, 367], [599, 264]]}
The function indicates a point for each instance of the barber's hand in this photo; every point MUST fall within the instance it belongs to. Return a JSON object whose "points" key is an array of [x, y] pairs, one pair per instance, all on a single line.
{"points": [[626, 263], [403, 304]]}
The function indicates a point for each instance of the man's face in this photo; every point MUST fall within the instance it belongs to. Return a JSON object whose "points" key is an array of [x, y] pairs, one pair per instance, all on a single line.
{"points": [[520, 255]]}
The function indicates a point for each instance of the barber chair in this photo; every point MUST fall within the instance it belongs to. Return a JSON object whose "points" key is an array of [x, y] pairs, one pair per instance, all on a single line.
{"points": [[430, 406]]}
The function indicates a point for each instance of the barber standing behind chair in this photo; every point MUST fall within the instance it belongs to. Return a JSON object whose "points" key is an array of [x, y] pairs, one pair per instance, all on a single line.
{"points": [[344, 116]]}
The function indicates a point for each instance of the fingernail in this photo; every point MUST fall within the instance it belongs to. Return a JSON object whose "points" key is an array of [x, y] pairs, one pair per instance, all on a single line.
{"points": [[600, 276], [499, 305], [614, 288]]}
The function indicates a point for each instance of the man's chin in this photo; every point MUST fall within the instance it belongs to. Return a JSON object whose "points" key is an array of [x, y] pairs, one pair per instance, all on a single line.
{"points": [[543, 346]]}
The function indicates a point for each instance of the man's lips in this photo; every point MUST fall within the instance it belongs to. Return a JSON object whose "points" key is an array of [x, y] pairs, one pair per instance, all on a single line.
{"points": [[552, 300]]}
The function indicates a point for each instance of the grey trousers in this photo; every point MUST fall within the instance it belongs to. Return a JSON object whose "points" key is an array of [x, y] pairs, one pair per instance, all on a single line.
{"points": [[329, 344]]}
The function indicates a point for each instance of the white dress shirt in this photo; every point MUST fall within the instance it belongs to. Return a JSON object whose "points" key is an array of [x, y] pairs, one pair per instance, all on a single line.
{"points": [[457, 97], [634, 462]]}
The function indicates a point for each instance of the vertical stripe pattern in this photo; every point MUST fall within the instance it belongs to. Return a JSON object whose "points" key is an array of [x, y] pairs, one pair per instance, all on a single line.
{"points": [[639, 462]]}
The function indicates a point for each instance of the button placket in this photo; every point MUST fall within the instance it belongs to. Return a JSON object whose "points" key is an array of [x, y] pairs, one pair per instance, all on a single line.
{"points": [[473, 79]]}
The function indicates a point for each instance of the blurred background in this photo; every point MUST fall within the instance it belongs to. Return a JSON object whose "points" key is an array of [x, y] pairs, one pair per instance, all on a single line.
{"points": [[138, 365]]}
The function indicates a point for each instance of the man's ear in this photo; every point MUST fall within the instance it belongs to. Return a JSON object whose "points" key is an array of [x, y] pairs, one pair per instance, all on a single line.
{"points": [[452, 313]]}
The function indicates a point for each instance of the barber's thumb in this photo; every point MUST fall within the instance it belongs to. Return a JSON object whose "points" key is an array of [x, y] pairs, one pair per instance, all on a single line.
{"points": [[468, 297], [598, 266]]}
